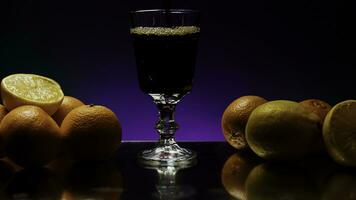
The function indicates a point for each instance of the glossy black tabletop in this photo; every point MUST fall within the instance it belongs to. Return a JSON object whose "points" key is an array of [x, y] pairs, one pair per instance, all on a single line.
{"points": [[220, 173]]}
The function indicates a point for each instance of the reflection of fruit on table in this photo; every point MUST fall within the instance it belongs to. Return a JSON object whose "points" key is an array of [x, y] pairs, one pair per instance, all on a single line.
{"points": [[235, 172], [220, 173], [93, 181], [319, 168], [279, 182], [39, 183], [340, 186]]}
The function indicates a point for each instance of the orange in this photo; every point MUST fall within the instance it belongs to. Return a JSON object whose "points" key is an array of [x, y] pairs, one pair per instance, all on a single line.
{"points": [[3, 112], [31, 136], [316, 106], [91, 132], [321, 109], [68, 104], [235, 118]]}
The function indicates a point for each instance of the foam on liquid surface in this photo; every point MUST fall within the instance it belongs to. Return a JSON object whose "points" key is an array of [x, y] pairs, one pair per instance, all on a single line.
{"points": [[165, 31]]}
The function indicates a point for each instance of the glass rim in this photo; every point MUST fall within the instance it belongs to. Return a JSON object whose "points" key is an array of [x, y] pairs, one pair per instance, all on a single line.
{"points": [[174, 11]]}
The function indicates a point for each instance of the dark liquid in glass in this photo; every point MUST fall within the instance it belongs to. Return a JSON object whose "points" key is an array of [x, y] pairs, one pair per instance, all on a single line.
{"points": [[165, 59]]}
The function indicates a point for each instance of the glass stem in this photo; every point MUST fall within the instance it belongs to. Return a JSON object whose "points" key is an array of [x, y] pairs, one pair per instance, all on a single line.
{"points": [[166, 126]]}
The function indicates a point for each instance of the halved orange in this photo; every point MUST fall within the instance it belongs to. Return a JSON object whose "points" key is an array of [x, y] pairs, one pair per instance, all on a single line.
{"points": [[31, 89]]}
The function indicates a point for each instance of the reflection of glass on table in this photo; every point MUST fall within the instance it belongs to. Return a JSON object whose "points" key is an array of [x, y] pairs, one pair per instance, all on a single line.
{"points": [[167, 186]]}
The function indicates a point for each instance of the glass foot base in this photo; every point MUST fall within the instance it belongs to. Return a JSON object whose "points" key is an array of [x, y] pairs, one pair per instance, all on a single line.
{"points": [[168, 155]]}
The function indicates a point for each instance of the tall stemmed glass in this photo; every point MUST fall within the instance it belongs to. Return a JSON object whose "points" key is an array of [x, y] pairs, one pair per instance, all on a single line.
{"points": [[165, 44]]}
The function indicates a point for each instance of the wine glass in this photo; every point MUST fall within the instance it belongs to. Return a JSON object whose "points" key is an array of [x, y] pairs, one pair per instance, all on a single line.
{"points": [[165, 45]]}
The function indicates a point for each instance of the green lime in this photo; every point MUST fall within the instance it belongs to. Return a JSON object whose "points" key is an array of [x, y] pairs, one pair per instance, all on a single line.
{"points": [[282, 130]]}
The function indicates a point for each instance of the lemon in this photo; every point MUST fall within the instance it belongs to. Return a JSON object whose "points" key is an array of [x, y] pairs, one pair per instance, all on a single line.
{"points": [[339, 133], [31, 89], [282, 130]]}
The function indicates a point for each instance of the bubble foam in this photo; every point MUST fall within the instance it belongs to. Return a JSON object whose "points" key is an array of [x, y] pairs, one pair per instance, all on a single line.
{"points": [[165, 31]]}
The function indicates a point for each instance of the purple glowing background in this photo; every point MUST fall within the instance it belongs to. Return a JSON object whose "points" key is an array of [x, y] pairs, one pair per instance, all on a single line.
{"points": [[277, 50], [198, 114]]}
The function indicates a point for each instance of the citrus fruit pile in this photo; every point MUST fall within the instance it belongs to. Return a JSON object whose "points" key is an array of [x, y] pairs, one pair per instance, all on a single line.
{"points": [[38, 123], [288, 130]]}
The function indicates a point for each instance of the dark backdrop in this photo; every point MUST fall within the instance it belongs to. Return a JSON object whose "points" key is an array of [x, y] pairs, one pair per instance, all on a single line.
{"points": [[276, 49]]}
